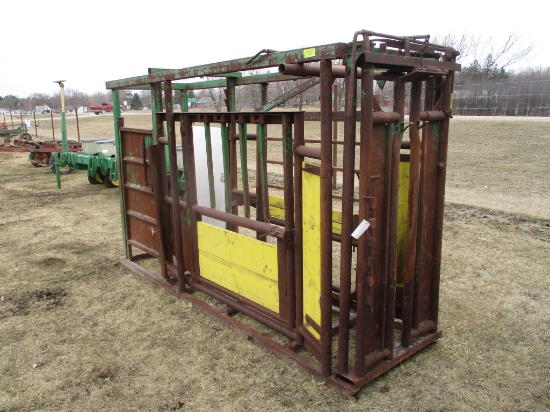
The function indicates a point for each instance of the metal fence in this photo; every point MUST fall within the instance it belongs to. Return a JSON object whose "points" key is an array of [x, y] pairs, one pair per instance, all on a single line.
{"points": [[526, 98]]}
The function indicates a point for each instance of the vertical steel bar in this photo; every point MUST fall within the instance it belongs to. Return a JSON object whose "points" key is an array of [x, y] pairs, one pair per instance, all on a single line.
{"points": [[262, 211], [230, 91], [446, 90], [156, 106], [262, 208], [243, 153], [364, 268], [118, 122], [190, 181], [184, 101], [288, 154], [298, 238], [176, 212], [226, 166], [389, 293], [412, 213], [209, 164], [334, 134], [426, 210], [326, 217], [348, 177], [157, 161]]}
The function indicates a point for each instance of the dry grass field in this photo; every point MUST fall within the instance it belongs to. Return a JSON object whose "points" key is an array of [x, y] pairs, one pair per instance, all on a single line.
{"points": [[79, 332]]}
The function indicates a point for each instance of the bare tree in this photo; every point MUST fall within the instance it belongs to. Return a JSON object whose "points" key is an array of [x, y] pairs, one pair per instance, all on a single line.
{"points": [[463, 43], [76, 98], [488, 59], [505, 54]]}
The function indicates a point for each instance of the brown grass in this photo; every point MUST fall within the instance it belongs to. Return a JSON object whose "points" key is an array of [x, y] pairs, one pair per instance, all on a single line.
{"points": [[80, 332]]}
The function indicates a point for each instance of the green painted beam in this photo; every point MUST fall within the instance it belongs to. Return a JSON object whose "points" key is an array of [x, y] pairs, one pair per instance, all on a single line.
{"points": [[305, 55]]}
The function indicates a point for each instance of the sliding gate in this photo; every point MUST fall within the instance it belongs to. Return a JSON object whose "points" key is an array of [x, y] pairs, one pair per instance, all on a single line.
{"points": [[245, 260]]}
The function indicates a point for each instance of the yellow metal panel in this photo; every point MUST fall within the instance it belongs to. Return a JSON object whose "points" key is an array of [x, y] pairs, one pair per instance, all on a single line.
{"points": [[402, 211], [336, 222], [311, 210], [241, 264], [277, 209]]}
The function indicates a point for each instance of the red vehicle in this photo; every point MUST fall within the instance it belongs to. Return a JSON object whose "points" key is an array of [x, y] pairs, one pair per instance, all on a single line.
{"points": [[104, 107]]}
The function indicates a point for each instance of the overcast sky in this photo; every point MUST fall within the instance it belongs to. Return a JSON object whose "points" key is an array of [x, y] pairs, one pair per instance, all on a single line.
{"points": [[88, 43]]}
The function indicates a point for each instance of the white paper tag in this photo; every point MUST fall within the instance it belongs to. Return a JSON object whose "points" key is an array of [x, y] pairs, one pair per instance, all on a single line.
{"points": [[359, 230]]}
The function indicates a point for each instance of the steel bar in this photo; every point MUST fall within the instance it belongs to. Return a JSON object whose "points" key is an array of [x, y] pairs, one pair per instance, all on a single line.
{"points": [[190, 183], [236, 220], [334, 134], [209, 165], [176, 213], [262, 187], [289, 252], [298, 229], [243, 154], [412, 213], [390, 292], [326, 217], [446, 90], [348, 177], [308, 151], [364, 242]]}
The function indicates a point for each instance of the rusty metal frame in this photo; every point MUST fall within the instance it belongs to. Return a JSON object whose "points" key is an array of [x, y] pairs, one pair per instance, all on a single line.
{"points": [[391, 320]]}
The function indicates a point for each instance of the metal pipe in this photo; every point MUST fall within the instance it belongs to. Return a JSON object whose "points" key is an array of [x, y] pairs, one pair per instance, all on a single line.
{"points": [[308, 151], [289, 218], [334, 134], [389, 293], [300, 69], [364, 247], [326, 217], [261, 227], [446, 91], [176, 212], [348, 177], [412, 213], [298, 229]]}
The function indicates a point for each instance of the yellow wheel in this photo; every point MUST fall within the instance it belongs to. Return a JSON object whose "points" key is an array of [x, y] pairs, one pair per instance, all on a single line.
{"points": [[110, 182]]}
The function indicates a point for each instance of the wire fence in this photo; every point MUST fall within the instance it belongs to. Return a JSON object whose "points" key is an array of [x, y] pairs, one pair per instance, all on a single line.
{"points": [[526, 98]]}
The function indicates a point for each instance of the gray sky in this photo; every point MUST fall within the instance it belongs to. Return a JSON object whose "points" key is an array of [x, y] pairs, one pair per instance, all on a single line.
{"points": [[88, 43]]}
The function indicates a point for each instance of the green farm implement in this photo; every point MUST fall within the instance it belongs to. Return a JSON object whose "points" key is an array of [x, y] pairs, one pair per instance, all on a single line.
{"points": [[20, 131], [98, 159]]}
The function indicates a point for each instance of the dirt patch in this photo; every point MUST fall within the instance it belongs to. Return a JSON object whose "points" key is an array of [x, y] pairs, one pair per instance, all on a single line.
{"points": [[21, 305]]}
